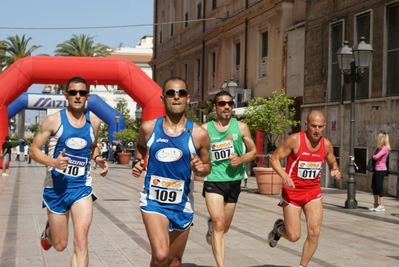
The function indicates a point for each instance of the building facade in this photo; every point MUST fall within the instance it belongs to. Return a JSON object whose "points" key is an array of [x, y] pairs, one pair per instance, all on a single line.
{"points": [[266, 45]]}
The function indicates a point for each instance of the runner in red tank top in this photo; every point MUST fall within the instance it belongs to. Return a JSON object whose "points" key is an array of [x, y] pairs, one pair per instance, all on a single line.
{"points": [[305, 153]]}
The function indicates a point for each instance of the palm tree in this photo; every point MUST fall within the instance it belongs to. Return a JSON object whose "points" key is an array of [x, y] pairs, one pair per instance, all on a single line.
{"points": [[11, 50], [82, 46]]}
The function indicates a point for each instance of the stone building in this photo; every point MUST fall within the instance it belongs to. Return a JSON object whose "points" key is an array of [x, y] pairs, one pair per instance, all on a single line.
{"points": [[267, 45]]}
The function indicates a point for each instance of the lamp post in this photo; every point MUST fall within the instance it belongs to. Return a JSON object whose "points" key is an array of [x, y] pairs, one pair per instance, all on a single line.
{"points": [[138, 113], [224, 86], [352, 62], [232, 87], [117, 119]]}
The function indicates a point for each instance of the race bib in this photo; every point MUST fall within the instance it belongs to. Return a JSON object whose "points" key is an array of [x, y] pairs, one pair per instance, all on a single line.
{"points": [[166, 190], [308, 170], [76, 166], [222, 150]]}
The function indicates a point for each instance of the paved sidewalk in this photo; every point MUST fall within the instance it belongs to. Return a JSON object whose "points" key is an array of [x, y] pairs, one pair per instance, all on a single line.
{"points": [[117, 236]]}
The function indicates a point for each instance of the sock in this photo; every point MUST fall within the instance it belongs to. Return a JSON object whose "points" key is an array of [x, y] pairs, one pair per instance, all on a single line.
{"points": [[300, 265]]}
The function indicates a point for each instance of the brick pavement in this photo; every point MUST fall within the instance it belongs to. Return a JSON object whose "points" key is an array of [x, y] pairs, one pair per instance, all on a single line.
{"points": [[117, 236]]}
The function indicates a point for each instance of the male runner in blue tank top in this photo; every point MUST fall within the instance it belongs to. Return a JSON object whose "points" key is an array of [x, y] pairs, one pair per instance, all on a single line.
{"points": [[72, 135], [231, 147], [173, 148]]}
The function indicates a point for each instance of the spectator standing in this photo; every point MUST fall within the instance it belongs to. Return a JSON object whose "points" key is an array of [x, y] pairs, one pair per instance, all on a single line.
{"points": [[17, 150], [380, 170], [6, 148]]}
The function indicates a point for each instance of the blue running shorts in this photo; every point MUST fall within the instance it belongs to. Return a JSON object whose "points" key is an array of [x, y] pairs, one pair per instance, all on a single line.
{"points": [[178, 220], [60, 201]]}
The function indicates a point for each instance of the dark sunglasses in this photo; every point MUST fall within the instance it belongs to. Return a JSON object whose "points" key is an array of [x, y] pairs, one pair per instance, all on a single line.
{"points": [[172, 92], [223, 103], [75, 92]]}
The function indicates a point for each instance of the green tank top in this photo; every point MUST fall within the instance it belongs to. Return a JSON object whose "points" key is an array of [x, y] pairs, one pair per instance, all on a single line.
{"points": [[222, 145]]}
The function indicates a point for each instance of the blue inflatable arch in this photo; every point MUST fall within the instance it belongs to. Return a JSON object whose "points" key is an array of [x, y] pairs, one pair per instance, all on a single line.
{"points": [[46, 101]]}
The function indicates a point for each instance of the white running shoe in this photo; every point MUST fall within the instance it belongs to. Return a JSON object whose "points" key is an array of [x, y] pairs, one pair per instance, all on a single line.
{"points": [[380, 208], [372, 208], [5, 174]]}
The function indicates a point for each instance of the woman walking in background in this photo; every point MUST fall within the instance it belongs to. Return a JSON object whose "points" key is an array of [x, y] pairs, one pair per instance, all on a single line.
{"points": [[380, 170]]}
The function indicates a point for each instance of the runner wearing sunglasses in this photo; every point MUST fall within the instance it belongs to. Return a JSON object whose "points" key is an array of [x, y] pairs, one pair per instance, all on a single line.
{"points": [[174, 148], [72, 135], [231, 147]]}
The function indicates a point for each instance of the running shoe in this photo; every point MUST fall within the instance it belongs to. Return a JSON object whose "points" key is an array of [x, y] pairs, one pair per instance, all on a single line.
{"points": [[380, 208], [274, 236], [372, 208], [208, 235], [44, 238]]}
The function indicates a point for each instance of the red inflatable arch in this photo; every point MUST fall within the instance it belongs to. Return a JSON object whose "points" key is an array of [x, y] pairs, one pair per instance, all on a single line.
{"points": [[97, 71]]}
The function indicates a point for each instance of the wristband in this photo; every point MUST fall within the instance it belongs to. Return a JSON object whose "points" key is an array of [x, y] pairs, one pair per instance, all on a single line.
{"points": [[135, 160], [96, 157]]}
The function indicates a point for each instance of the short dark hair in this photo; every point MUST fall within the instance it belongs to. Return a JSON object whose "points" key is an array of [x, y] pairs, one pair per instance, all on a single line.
{"points": [[7, 138], [221, 93], [76, 79], [174, 78]]}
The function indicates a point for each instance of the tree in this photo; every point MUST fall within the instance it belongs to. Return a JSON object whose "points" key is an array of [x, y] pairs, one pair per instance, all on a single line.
{"points": [[130, 133], [272, 115], [34, 128], [11, 50], [82, 46]]}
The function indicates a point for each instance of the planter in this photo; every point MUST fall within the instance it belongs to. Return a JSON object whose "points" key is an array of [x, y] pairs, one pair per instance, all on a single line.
{"points": [[124, 157], [269, 182]]}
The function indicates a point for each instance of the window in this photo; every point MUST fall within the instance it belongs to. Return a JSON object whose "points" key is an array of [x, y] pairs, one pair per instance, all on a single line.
{"points": [[336, 41], [238, 54], [214, 4], [172, 19], [186, 19], [392, 50], [199, 10], [264, 52], [363, 30]]}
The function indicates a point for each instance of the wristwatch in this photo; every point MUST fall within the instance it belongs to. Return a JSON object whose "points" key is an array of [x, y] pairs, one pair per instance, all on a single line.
{"points": [[135, 160]]}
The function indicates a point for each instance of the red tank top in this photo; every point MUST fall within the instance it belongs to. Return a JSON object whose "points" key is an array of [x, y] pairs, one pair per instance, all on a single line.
{"points": [[305, 166]]}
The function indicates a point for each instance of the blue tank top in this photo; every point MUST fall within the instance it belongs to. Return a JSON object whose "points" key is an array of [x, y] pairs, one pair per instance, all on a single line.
{"points": [[77, 143], [168, 181]]}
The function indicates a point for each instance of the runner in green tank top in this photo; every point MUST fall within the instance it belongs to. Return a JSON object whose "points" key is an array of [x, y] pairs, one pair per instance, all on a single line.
{"points": [[231, 146]]}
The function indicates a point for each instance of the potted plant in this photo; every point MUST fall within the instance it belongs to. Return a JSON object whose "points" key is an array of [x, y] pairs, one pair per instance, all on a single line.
{"points": [[127, 135], [271, 117]]}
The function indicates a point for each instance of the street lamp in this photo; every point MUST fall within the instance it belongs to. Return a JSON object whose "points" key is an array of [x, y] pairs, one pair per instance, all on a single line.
{"points": [[353, 73], [117, 119], [232, 87], [138, 113], [224, 86]]}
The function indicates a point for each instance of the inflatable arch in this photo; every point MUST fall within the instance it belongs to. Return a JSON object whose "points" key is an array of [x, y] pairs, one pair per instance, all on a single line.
{"points": [[46, 101], [16, 79]]}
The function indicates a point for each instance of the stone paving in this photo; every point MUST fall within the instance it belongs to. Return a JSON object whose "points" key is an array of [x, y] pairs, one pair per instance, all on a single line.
{"points": [[356, 237]]}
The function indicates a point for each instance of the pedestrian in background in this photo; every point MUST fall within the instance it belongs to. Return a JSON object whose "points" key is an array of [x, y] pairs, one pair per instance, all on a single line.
{"points": [[380, 156], [6, 148]]}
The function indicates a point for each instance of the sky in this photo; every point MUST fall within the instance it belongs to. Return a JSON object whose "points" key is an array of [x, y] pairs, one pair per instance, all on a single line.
{"points": [[51, 22]]}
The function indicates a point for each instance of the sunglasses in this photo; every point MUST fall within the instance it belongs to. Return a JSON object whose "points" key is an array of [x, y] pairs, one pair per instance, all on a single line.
{"points": [[172, 92], [223, 103], [75, 92]]}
